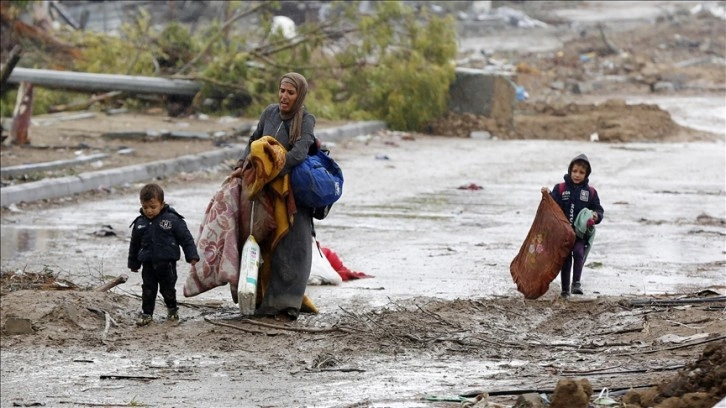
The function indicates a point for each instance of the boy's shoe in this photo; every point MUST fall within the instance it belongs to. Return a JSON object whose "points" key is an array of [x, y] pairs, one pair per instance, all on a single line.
{"points": [[144, 320], [577, 289], [565, 294], [173, 315]]}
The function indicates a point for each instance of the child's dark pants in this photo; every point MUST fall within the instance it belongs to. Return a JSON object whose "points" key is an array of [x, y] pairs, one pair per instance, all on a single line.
{"points": [[578, 254], [158, 277]]}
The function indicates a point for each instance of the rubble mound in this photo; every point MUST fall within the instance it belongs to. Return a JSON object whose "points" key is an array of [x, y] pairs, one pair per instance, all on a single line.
{"points": [[702, 384], [612, 121]]}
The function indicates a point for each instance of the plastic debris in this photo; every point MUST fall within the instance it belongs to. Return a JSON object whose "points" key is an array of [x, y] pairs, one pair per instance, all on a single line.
{"points": [[521, 94], [604, 400]]}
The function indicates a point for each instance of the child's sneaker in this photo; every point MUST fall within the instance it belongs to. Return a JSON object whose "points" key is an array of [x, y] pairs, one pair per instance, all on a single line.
{"points": [[565, 294], [144, 320], [173, 315], [577, 289]]}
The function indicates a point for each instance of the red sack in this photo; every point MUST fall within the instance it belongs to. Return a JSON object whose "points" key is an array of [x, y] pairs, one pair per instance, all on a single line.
{"points": [[345, 273], [549, 241]]}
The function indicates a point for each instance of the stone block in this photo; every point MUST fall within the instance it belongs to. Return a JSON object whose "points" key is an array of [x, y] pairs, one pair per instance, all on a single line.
{"points": [[483, 93], [18, 325]]}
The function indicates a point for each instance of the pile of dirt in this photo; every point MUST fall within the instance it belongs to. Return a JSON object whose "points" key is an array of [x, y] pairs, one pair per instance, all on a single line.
{"points": [[702, 384], [612, 121]]}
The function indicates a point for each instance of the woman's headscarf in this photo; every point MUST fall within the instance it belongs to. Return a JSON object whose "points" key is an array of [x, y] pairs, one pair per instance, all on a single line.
{"points": [[296, 113]]}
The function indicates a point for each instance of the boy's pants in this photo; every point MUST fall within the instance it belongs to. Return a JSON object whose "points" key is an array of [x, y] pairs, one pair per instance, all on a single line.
{"points": [[578, 254], [158, 277]]}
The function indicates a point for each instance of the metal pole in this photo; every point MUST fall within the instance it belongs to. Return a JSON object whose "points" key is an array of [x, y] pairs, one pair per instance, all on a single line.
{"points": [[82, 81]]}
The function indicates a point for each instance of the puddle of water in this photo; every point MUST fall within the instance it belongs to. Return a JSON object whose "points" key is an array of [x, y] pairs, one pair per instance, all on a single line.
{"points": [[19, 240]]}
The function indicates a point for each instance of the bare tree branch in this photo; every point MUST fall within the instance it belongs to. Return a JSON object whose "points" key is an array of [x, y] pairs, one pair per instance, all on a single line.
{"points": [[212, 40]]}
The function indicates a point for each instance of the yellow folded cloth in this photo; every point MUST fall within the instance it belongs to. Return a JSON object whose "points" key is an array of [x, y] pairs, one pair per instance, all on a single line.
{"points": [[264, 162]]}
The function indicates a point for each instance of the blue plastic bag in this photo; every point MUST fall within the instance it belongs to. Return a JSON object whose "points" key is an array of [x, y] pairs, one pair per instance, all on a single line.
{"points": [[317, 182]]}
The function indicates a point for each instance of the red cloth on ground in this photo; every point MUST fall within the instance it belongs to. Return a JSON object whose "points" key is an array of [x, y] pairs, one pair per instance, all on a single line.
{"points": [[337, 264]]}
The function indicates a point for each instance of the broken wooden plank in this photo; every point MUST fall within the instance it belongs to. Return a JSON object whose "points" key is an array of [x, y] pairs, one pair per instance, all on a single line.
{"points": [[54, 118], [22, 113], [115, 111], [84, 104], [127, 377], [17, 171], [84, 81], [112, 284]]}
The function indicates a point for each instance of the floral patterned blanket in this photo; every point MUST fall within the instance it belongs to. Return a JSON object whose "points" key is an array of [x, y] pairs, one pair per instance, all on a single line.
{"points": [[217, 243]]}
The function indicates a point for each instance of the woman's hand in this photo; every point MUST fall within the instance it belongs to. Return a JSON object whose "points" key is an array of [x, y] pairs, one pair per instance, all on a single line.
{"points": [[237, 172]]}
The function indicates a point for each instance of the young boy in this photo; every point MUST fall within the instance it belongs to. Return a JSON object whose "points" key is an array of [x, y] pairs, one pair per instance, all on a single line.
{"points": [[575, 196], [155, 239]]}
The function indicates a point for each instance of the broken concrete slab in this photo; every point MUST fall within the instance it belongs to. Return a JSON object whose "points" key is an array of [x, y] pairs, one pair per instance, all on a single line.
{"points": [[71, 313], [125, 135], [580, 88], [184, 135], [137, 135], [18, 325], [484, 93], [530, 400]]}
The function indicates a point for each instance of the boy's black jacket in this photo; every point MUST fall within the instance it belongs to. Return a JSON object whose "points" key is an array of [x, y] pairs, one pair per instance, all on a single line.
{"points": [[159, 239]]}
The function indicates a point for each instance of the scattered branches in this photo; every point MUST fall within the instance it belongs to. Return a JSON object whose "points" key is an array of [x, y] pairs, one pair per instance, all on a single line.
{"points": [[656, 350], [232, 326], [238, 15], [47, 279], [673, 302]]}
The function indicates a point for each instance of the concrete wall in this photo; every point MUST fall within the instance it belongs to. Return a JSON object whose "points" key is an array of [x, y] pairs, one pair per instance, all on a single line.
{"points": [[483, 93]]}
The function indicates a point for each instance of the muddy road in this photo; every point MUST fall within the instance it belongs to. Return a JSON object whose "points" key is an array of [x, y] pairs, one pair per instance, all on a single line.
{"points": [[440, 320], [434, 250]]}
